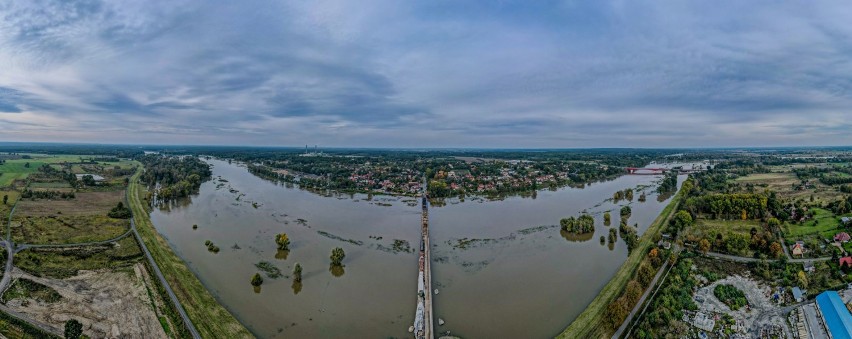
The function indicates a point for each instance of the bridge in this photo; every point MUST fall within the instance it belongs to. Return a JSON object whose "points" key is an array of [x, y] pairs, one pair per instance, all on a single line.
{"points": [[658, 170], [423, 325]]}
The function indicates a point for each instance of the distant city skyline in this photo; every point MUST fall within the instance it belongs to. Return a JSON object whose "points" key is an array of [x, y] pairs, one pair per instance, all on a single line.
{"points": [[427, 74]]}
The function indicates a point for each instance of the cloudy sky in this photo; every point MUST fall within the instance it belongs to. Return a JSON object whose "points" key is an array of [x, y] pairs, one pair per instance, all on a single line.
{"points": [[434, 73]]}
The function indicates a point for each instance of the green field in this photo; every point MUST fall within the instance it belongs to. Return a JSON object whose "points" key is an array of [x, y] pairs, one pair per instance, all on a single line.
{"points": [[16, 169], [824, 224], [209, 317], [591, 323]]}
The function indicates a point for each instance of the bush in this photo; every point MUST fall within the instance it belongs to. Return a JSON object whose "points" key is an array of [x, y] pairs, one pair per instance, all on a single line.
{"points": [[119, 212], [256, 280], [730, 295], [73, 329]]}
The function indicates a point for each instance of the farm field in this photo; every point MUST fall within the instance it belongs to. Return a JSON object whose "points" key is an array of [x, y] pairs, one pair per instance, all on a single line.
{"points": [[66, 229], [824, 224], [84, 203]]}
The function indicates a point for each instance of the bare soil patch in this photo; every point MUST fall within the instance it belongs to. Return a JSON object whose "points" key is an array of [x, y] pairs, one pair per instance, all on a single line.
{"points": [[109, 303]]}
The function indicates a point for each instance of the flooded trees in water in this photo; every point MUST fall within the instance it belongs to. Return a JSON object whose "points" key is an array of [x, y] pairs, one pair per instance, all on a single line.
{"points": [[607, 219], [283, 241], [211, 246], [625, 212], [256, 280], [337, 256], [584, 224], [297, 273]]}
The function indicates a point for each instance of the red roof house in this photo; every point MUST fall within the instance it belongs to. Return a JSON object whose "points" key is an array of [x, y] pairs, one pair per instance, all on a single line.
{"points": [[842, 237], [846, 260]]}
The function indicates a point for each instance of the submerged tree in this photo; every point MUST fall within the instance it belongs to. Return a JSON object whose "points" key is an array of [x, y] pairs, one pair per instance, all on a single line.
{"points": [[283, 241], [337, 256], [297, 273], [256, 280]]}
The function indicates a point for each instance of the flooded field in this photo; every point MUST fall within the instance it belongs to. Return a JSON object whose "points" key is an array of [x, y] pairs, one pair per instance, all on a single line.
{"points": [[502, 268]]}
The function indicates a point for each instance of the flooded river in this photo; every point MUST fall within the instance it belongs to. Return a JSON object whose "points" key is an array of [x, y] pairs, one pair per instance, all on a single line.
{"points": [[502, 268]]}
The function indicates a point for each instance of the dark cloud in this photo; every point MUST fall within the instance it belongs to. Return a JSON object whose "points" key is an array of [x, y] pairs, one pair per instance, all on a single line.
{"points": [[432, 73]]}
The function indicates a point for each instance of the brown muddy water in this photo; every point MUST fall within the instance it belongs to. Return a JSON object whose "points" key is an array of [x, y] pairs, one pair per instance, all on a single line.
{"points": [[502, 268]]}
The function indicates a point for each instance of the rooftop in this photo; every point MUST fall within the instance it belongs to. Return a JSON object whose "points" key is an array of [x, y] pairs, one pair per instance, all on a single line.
{"points": [[837, 317]]}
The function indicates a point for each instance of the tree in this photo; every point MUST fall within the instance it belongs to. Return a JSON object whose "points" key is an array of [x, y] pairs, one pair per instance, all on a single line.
{"points": [[256, 280], [737, 243], [803, 279], [681, 220], [119, 212], [297, 273], [704, 246], [625, 211], [654, 256], [5, 199], [337, 256], [283, 241], [775, 249], [73, 329], [607, 219], [646, 274]]}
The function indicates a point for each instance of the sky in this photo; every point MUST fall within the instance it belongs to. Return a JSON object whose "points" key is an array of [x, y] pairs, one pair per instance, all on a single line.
{"points": [[434, 73]]}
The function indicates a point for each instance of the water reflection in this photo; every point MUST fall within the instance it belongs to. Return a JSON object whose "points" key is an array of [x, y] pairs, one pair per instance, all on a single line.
{"points": [[336, 270], [282, 254], [574, 237], [297, 287], [256, 289]]}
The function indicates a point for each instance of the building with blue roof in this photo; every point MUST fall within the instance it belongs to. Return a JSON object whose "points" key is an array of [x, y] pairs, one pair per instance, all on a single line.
{"points": [[798, 295], [837, 318]]}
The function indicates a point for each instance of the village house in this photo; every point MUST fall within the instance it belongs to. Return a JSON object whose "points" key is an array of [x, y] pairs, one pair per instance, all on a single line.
{"points": [[798, 249], [841, 237]]}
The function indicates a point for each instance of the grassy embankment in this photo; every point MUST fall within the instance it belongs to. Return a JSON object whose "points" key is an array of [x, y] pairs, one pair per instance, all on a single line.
{"points": [[591, 323], [209, 317]]}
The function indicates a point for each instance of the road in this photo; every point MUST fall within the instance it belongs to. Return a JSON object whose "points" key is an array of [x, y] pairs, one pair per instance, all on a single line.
{"points": [[737, 258]]}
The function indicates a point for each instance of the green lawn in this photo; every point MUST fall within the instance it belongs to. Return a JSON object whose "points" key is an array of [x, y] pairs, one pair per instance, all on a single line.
{"points": [[17, 169]]}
